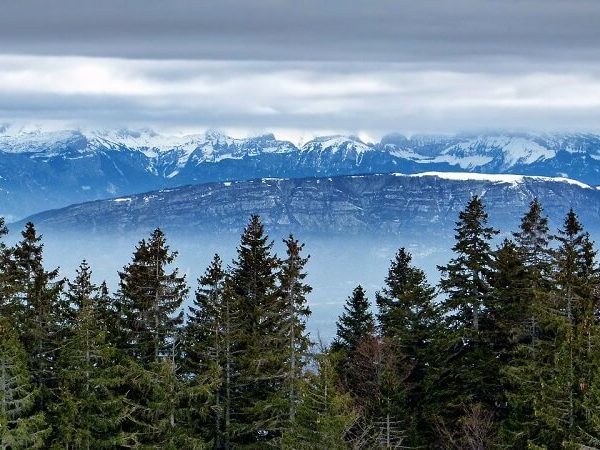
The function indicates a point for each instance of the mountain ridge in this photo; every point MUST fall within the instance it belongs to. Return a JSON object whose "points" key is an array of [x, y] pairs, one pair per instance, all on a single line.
{"points": [[397, 204], [41, 170]]}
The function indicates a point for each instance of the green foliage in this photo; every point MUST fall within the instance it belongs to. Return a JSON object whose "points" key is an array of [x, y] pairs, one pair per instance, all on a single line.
{"points": [[40, 312], [465, 279], [259, 356], [409, 322], [507, 356], [20, 426], [324, 415], [150, 299], [294, 311], [356, 322], [206, 350], [88, 411]]}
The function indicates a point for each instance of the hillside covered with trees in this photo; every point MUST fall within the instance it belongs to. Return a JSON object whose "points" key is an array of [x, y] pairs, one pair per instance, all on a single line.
{"points": [[504, 353]]}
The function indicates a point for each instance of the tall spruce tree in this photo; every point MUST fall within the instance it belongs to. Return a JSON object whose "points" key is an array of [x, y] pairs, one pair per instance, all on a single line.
{"points": [[21, 427], [355, 326], [260, 359], [5, 273], [149, 300], [87, 413], [532, 241], [468, 369], [533, 238], [149, 303], [294, 308], [206, 354], [355, 323], [522, 286], [409, 319], [572, 361], [465, 279], [510, 312], [39, 311]]}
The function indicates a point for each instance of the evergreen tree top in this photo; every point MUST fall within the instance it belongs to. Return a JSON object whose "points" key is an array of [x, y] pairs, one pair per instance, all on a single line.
{"points": [[254, 271], [293, 264], [214, 272], [534, 220], [471, 227], [356, 322], [81, 289], [406, 301]]}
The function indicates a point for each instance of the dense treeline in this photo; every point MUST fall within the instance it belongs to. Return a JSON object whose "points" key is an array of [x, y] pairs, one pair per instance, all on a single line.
{"points": [[504, 353]]}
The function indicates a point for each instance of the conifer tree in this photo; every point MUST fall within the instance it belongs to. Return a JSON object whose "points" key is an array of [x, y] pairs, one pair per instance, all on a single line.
{"points": [[229, 384], [354, 326], [206, 353], [521, 291], [466, 278], [149, 303], [5, 273], [532, 242], [324, 414], [409, 320], [87, 413], [468, 369], [39, 311], [572, 325], [532, 239], [149, 300], [510, 341], [295, 311], [107, 307], [259, 347], [509, 305], [355, 323], [21, 427]]}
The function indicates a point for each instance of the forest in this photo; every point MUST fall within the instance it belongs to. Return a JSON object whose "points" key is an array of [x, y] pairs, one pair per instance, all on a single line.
{"points": [[503, 353]]}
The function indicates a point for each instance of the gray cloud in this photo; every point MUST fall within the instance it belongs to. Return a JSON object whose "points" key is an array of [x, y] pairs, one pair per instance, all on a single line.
{"points": [[340, 65], [346, 97], [542, 32]]}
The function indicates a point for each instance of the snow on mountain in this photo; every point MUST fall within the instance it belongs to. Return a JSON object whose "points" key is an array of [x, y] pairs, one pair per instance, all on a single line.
{"points": [[41, 169], [497, 178], [37, 141], [334, 144], [482, 150]]}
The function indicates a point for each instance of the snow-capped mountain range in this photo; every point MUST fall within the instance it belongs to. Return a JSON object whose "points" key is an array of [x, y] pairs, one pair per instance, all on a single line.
{"points": [[48, 169]]}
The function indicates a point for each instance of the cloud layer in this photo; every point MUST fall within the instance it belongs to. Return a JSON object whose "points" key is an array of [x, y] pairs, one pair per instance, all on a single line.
{"points": [[338, 65], [351, 30]]}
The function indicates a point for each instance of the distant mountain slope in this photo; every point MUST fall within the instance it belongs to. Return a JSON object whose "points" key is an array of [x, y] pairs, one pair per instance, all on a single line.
{"points": [[419, 205], [41, 170]]}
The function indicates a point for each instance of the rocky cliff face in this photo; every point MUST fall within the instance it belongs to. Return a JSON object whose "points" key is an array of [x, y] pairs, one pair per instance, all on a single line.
{"points": [[41, 170], [419, 205]]}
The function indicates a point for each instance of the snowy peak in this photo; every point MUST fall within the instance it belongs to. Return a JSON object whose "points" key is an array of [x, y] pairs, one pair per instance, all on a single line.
{"points": [[495, 152], [336, 143], [508, 150], [38, 141]]}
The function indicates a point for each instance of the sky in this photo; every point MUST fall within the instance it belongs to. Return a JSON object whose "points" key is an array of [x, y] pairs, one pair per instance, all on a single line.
{"points": [[301, 68]]}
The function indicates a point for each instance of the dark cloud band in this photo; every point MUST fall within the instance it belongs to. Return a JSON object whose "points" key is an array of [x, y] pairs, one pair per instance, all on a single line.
{"points": [[442, 31]]}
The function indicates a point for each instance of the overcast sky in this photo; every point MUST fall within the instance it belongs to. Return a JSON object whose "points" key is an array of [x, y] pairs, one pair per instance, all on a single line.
{"points": [[302, 67]]}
